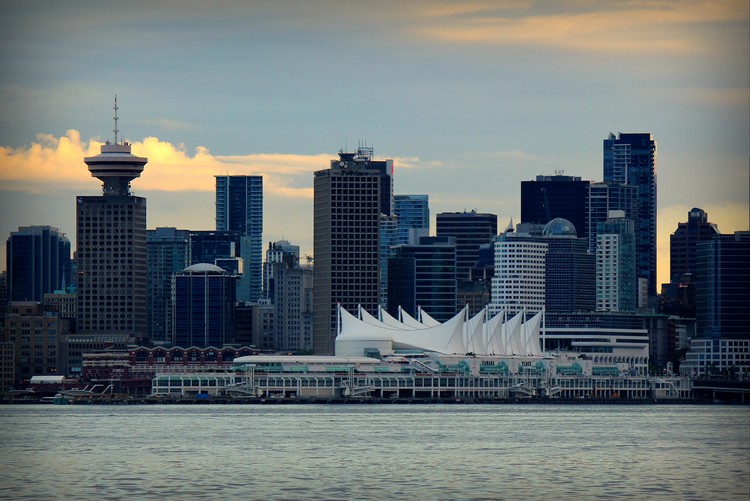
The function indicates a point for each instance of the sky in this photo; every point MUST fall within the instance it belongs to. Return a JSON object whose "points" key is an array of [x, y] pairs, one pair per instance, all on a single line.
{"points": [[468, 99]]}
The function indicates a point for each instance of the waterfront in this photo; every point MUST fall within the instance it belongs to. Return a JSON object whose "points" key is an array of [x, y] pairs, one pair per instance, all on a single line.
{"points": [[375, 452]]}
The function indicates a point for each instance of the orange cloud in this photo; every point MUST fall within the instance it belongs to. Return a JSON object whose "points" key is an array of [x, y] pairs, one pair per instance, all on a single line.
{"points": [[645, 27], [59, 161]]}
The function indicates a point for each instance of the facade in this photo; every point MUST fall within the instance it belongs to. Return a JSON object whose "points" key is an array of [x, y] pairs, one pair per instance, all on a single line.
{"points": [[570, 270], [239, 208], [209, 246], [423, 276], [413, 213], [35, 331], [349, 199], [167, 252], [616, 283], [471, 230], [722, 294], [203, 307], [111, 242], [684, 241], [388, 238], [604, 198], [278, 252], [520, 274], [290, 289], [630, 159], [38, 261], [558, 196]]}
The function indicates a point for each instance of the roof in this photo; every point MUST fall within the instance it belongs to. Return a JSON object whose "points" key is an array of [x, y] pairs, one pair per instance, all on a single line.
{"points": [[204, 268]]}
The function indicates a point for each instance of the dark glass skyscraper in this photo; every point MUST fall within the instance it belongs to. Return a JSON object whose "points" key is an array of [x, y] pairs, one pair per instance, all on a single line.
{"points": [[38, 262], [471, 230], [684, 241], [204, 297], [550, 197], [722, 295], [607, 197], [350, 198], [239, 208], [631, 159], [413, 213], [168, 252], [423, 275]]}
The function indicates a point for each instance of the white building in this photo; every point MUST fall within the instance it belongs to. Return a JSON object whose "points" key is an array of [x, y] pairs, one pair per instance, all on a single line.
{"points": [[519, 281]]}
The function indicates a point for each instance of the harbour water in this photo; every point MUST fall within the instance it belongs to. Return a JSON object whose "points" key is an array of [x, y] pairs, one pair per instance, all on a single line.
{"points": [[375, 452]]}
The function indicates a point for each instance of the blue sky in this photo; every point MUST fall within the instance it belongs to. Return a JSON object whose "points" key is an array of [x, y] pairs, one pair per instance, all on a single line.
{"points": [[468, 98]]}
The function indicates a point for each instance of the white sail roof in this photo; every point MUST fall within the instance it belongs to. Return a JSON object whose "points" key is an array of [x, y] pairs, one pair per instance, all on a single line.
{"points": [[410, 321], [427, 320]]}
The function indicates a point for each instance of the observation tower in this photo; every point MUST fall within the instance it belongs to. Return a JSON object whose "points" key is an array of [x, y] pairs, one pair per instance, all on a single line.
{"points": [[116, 166]]}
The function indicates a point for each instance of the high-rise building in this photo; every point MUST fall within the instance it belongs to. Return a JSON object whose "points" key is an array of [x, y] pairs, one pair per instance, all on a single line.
{"points": [[239, 208], [111, 240], [203, 300], [349, 199], [604, 198], [630, 159], [558, 196], [423, 276], [388, 238], [570, 270], [471, 230], [684, 241], [210, 246], [38, 261], [616, 279], [167, 253], [722, 296], [520, 273], [278, 252], [413, 213]]}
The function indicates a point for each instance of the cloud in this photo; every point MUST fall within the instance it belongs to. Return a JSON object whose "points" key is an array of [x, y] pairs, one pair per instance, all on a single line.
{"points": [[636, 26], [55, 162]]}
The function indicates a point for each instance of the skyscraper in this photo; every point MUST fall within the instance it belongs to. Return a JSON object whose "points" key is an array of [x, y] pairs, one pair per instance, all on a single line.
{"points": [[605, 197], [239, 207], [722, 295], [630, 159], [615, 264], [550, 197], [519, 281], [38, 262], [423, 275], [413, 213], [204, 297], [471, 230], [349, 199], [684, 241], [168, 252], [111, 239]]}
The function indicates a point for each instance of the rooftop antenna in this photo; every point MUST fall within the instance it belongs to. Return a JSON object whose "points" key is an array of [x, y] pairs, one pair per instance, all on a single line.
{"points": [[115, 129]]}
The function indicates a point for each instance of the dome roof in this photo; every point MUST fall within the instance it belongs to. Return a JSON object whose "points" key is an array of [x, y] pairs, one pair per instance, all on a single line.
{"points": [[203, 268], [560, 227]]}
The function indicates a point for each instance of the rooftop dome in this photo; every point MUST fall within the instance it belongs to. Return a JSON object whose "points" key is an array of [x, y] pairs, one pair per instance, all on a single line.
{"points": [[560, 227], [203, 268]]}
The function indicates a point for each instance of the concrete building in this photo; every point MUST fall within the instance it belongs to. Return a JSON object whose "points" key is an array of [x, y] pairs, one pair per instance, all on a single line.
{"points": [[239, 208], [520, 274], [349, 199], [38, 261], [111, 241]]}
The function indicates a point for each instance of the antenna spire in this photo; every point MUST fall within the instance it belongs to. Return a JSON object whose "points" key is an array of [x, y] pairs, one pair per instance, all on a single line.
{"points": [[116, 130]]}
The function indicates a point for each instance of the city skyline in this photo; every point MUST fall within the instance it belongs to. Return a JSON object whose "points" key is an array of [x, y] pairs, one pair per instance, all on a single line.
{"points": [[468, 99]]}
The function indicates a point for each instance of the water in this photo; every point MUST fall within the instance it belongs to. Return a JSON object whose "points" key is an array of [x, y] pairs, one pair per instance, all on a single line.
{"points": [[375, 452]]}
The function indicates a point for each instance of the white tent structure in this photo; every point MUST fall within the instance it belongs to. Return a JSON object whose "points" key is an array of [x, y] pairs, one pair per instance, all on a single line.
{"points": [[458, 336]]}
